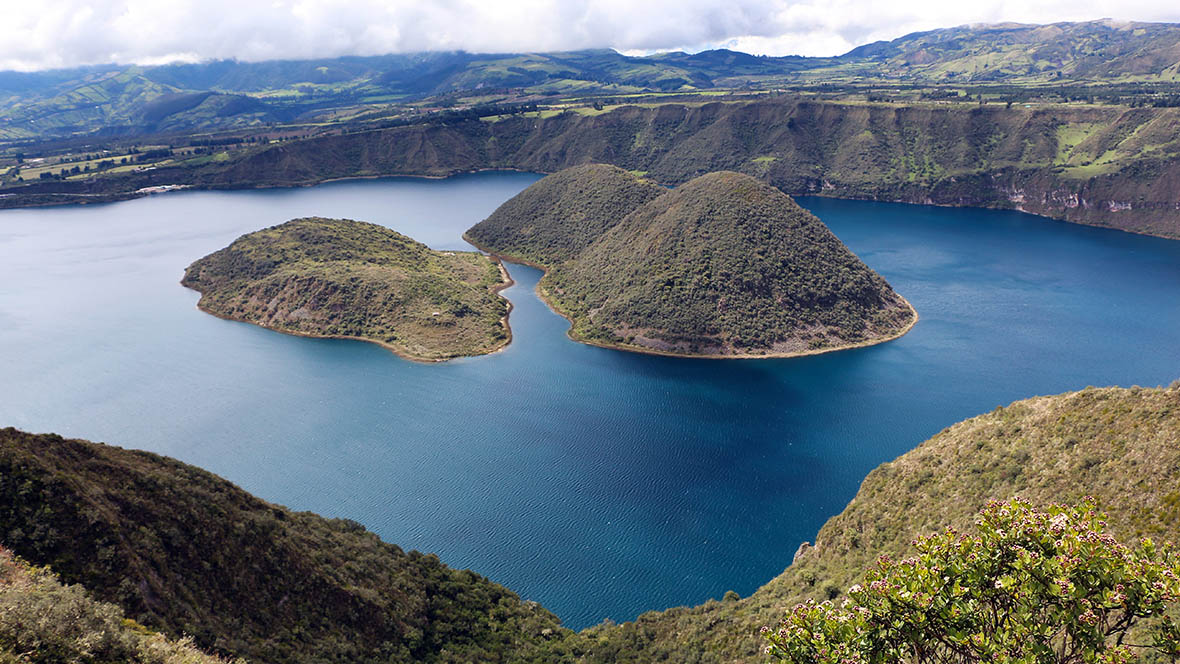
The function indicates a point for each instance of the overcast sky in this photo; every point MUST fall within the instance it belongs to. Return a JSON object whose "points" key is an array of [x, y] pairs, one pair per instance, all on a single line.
{"points": [[41, 34]]}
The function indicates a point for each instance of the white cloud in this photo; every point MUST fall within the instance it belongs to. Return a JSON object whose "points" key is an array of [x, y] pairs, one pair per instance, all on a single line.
{"points": [[39, 35]]}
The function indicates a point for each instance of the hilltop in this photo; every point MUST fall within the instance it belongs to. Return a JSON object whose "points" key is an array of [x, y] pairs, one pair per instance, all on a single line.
{"points": [[187, 553], [1121, 446], [562, 214], [723, 265], [350, 279]]}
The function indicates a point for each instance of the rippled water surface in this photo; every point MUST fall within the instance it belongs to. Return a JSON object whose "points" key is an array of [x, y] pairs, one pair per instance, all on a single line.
{"points": [[600, 483]]}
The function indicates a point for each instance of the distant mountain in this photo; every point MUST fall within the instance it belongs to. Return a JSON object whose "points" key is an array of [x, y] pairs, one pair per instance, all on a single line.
{"points": [[112, 100], [186, 552], [1106, 50], [721, 265], [344, 278]]}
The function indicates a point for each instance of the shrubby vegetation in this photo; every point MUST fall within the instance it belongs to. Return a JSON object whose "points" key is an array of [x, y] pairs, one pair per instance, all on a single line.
{"points": [[44, 622], [337, 277], [723, 264], [1024, 586], [187, 553]]}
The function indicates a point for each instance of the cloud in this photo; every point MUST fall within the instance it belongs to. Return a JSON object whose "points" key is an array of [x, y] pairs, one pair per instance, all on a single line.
{"points": [[64, 33]]}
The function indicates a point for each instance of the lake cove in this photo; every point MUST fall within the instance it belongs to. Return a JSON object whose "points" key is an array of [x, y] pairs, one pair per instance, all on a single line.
{"points": [[600, 483]]}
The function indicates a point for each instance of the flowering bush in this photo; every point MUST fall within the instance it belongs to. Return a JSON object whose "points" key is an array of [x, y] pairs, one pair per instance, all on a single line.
{"points": [[1028, 586]]}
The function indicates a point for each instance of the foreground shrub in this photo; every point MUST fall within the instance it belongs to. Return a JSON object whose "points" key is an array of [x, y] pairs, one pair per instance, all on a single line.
{"points": [[1027, 586]]}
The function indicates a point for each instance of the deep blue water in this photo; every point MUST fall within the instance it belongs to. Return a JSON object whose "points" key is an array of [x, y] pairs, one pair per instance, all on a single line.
{"points": [[600, 483]]}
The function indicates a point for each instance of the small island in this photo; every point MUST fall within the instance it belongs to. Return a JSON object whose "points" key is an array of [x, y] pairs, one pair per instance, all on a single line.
{"points": [[340, 278], [722, 266]]}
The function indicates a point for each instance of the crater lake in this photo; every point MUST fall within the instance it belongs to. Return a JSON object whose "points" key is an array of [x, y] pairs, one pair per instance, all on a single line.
{"points": [[600, 483]]}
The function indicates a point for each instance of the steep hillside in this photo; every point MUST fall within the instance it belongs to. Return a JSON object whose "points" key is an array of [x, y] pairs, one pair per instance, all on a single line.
{"points": [[723, 265], [44, 622], [344, 278], [1121, 446], [187, 553], [559, 216], [1104, 166]]}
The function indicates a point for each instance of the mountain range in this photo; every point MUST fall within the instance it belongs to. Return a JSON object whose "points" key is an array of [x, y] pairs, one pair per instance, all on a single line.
{"points": [[228, 94]]}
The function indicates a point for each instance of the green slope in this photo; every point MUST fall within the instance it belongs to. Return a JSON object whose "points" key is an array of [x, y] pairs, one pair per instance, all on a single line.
{"points": [[1121, 446], [188, 553], [723, 265], [344, 278], [559, 216], [1104, 50]]}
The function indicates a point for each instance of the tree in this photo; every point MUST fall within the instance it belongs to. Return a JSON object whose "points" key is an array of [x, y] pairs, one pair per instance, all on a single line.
{"points": [[1028, 587]]}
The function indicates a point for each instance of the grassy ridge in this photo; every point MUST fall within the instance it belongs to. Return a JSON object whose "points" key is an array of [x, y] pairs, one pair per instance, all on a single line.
{"points": [[186, 552], [1121, 446], [343, 278], [1038, 54]]}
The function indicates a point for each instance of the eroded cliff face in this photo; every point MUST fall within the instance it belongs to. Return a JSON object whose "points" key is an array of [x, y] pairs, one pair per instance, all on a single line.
{"points": [[1100, 165]]}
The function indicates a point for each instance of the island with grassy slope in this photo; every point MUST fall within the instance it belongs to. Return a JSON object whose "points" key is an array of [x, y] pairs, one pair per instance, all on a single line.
{"points": [[722, 266], [349, 279]]}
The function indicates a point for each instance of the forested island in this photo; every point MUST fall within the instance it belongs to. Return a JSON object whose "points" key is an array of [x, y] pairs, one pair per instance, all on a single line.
{"points": [[350, 279], [722, 266]]}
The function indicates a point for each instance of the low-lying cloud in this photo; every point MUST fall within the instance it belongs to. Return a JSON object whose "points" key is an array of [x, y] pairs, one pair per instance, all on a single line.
{"points": [[67, 33]]}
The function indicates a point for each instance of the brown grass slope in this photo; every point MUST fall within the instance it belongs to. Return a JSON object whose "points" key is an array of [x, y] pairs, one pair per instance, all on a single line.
{"points": [[724, 265], [186, 552], [1121, 446], [344, 278]]}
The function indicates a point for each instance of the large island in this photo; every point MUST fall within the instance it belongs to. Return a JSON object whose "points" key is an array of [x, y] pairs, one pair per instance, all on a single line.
{"points": [[350, 279], [722, 266]]}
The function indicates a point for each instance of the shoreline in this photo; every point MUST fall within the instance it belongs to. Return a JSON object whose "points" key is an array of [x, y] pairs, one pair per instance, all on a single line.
{"points": [[699, 356], [391, 348]]}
